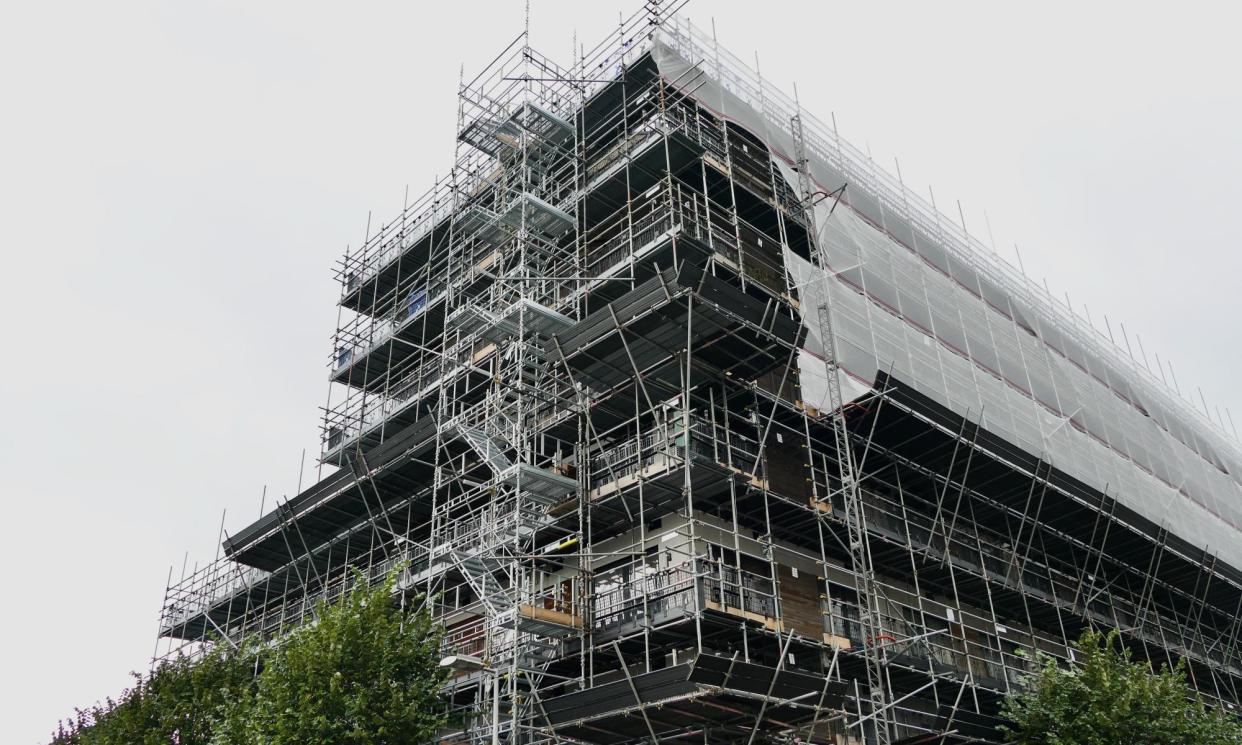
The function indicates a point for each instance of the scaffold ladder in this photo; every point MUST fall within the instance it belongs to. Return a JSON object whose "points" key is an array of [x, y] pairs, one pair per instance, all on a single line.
{"points": [[851, 500]]}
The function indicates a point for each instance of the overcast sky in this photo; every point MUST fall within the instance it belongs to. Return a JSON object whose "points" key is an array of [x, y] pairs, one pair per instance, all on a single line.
{"points": [[178, 178]]}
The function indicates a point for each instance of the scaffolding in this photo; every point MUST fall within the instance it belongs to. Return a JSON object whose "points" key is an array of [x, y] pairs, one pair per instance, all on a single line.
{"points": [[623, 401]]}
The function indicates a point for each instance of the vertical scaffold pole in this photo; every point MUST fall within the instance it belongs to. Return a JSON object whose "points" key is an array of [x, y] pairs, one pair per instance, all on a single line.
{"points": [[851, 501]]}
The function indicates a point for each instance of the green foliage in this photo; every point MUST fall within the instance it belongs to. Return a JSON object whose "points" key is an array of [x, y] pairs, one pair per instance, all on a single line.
{"points": [[1106, 698], [179, 702], [365, 673]]}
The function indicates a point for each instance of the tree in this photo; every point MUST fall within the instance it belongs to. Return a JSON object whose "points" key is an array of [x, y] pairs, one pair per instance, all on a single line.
{"points": [[1103, 697], [178, 702], [366, 672]]}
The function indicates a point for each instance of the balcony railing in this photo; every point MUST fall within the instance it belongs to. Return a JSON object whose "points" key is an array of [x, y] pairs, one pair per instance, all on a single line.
{"points": [[667, 444], [205, 588], [358, 339], [363, 412], [622, 599], [215, 584], [628, 233]]}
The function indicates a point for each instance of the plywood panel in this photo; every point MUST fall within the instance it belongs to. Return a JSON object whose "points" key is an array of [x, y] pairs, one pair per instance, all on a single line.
{"points": [[801, 609], [787, 469]]}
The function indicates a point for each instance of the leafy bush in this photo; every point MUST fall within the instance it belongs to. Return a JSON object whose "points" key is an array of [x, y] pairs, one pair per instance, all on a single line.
{"points": [[365, 672], [1106, 698], [178, 702]]}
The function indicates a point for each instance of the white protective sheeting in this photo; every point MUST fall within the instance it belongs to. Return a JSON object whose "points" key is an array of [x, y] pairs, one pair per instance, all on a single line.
{"points": [[912, 298]]}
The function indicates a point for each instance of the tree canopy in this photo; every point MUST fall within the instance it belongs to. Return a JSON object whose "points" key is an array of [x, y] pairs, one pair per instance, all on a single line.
{"points": [[179, 701], [365, 672], [1103, 697]]}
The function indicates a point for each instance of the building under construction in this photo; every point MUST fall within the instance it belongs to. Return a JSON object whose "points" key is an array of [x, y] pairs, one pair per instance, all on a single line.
{"points": [[691, 424]]}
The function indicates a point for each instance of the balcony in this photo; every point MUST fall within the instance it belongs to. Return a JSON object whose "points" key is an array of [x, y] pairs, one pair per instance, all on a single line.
{"points": [[642, 596], [230, 600], [635, 162], [185, 612], [456, 236], [370, 348], [372, 272], [629, 597], [396, 471], [363, 418], [727, 328], [658, 458]]}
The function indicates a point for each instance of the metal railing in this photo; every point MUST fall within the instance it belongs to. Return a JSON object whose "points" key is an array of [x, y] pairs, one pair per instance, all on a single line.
{"points": [[706, 442]]}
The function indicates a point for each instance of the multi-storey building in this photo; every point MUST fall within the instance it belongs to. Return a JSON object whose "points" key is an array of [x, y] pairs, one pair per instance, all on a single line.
{"points": [[690, 424]]}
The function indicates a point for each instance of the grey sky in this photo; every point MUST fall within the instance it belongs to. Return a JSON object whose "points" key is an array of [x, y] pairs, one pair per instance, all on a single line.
{"points": [[177, 179]]}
